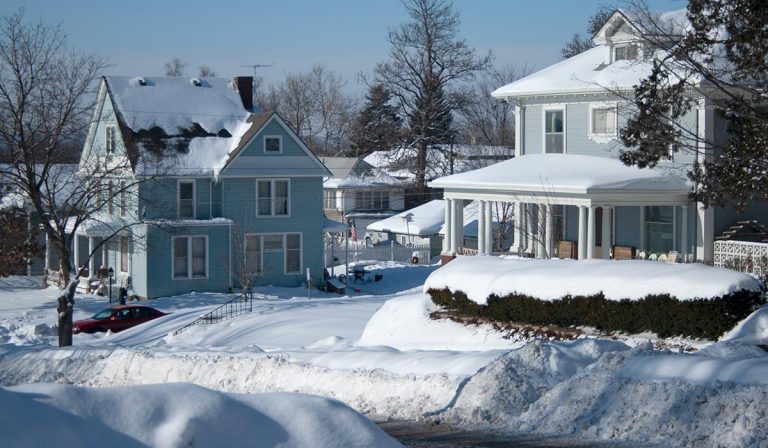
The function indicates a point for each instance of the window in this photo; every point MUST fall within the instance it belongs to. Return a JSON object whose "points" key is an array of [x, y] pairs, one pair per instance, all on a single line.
{"points": [[123, 199], [124, 254], [622, 52], [109, 143], [111, 197], [554, 135], [604, 121], [187, 199], [659, 229], [372, 200], [292, 253], [272, 198], [253, 254], [329, 199], [286, 244], [190, 257], [273, 144]]}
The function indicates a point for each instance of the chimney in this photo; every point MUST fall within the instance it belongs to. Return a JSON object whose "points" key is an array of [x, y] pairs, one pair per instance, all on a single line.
{"points": [[244, 86]]}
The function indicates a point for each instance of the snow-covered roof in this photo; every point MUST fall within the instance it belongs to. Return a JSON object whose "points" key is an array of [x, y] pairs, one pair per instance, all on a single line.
{"points": [[175, 102], [350, 172], [564, 173], [427, 220], [592, 70]]}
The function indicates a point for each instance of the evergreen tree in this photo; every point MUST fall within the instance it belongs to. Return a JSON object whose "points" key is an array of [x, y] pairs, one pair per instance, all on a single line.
{"points": [[722, 56], [378, 126], [579, 44]]}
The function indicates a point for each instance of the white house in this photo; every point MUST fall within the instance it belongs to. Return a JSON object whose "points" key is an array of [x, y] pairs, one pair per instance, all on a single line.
{"points": [[566, 182]]}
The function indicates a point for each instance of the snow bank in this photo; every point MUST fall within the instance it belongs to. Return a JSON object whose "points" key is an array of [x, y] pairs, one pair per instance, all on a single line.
{"points": [[752, 330], [479, 277], [177, 415]]}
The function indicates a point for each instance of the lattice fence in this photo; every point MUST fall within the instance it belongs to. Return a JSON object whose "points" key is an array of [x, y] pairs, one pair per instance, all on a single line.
{"points": [[743, 256]]}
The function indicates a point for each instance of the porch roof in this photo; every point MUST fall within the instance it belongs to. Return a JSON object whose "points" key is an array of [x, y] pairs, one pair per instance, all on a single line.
{"points": [[567, 178]]}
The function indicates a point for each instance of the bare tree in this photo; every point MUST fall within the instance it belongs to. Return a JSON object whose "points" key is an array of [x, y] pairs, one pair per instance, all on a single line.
{"points": [[206, 72], [175, 67], [484, 120], [578, 43], [46, 100], [426, 57], [315, 106]]}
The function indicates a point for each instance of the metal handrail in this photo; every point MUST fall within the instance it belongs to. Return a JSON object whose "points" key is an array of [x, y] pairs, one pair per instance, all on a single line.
{"points": [[239, 305]]}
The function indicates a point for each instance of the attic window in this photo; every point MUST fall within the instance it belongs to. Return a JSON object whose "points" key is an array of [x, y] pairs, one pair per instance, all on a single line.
{"points": [[625, 52], [109, 143], [195, 82], [273, 144]]}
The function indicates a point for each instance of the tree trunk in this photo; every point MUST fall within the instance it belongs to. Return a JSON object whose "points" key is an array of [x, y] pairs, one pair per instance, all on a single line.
{"points": [[421, 168], [66, 297]]}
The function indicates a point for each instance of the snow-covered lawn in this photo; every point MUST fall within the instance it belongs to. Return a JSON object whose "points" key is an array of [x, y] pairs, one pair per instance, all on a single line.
{"points": [[378, 352]]}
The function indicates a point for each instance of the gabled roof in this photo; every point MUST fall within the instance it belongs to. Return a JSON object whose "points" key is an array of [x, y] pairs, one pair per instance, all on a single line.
{"points": [[592, 70], [354, 172], [427, 220]]}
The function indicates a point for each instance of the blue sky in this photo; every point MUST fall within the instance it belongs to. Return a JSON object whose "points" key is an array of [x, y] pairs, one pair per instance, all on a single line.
{"points": [[350, 36]]}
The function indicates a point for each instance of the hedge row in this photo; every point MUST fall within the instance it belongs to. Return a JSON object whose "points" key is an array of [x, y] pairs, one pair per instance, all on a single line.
{"points": [[661, 314]]}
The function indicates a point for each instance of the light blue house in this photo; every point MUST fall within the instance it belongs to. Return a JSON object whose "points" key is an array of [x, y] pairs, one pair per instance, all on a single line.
{"points": [[211, 193], [572, 196]]}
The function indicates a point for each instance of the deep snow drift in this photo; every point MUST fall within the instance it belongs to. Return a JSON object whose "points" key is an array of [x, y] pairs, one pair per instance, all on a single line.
{"points": [[383, 356], [177, 415]]}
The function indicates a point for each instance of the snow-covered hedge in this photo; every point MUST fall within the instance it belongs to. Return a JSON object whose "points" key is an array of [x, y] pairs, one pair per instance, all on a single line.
{"points": [[633, 297]]}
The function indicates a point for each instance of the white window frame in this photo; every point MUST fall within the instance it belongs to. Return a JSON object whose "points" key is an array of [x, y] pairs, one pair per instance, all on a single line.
{"points": [[603, 137], [109, 139], [272, 197], [178, 198], [280, 143], [260, 240], [618, 46], [550, 108], [190, 257], [285, 253], [127, 254], [283, 250]]}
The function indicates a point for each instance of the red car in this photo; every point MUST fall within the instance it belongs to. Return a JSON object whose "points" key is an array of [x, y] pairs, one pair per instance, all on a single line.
{"points": [[116, 318]]}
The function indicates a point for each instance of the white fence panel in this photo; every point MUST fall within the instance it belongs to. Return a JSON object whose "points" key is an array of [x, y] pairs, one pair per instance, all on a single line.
{"points": [[742, 256], [335, 253]]}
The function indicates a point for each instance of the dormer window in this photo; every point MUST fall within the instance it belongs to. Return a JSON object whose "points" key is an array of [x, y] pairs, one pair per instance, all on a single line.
{"points": [[110, 139], [625, 52], [273, 144]]}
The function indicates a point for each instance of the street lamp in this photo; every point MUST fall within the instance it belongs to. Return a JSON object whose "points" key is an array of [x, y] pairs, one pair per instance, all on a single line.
{"points": [[110, 272]]}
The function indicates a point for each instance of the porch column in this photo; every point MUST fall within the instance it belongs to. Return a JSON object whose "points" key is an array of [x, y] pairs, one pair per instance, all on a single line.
{"points": [[450, 230], [684, 235], [582, 239], [447, 221], [458, 224], [529, 228], [488, 227], [549, 231], [91, 259], [642, 228], [47, 255], [541, 231], [517, 244], [76, 241], [591, 233], [606, 243], [481, 228]]}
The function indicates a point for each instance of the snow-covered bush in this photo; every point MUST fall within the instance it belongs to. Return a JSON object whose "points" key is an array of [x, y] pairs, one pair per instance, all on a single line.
{"points": [[662, 314]]}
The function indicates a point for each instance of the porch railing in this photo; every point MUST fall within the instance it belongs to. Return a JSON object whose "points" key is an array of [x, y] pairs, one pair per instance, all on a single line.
{"points": [[239, 305], [742, 256]]}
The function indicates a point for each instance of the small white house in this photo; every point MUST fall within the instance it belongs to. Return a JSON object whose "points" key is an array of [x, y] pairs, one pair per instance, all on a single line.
{"points": [[359, 192]]}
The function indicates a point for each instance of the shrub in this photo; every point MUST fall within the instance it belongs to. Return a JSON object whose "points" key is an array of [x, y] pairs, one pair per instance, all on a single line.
{"points": [[659, 313]]}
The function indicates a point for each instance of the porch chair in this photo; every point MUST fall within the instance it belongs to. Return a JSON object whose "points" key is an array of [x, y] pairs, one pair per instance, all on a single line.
{"points": [[653, 257], [672, 256], [641, 255], [663, 258]]}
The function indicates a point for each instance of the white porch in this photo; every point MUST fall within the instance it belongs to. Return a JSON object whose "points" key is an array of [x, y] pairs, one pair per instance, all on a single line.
{"points": [[543, 186]]}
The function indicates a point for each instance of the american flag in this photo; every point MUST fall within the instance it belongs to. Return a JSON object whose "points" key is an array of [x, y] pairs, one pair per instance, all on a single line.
{"points": [[353, 231]]}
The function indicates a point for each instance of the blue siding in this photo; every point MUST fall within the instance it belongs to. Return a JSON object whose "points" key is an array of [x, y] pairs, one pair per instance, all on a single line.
{"points": [[290, 146], [159, 253]]}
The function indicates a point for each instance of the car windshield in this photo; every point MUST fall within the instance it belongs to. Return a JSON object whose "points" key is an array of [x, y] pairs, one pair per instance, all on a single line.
{"points": [[101, 315]]}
